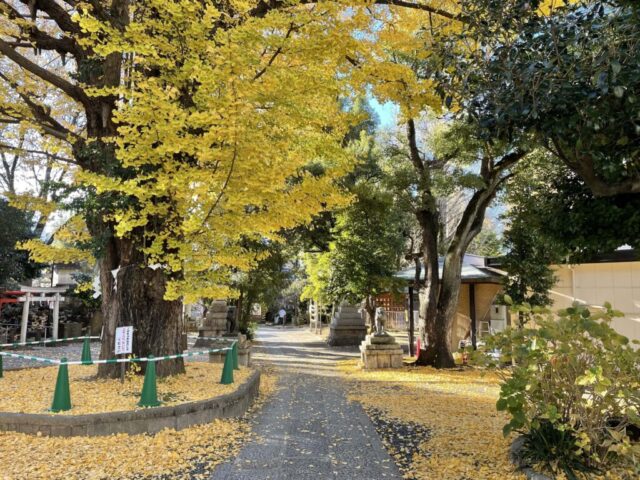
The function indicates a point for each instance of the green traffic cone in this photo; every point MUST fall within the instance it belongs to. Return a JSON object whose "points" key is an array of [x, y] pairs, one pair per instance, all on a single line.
{"points": [[227, 369], [234, 350], [62, 394], [149, 396], [86, 352]]}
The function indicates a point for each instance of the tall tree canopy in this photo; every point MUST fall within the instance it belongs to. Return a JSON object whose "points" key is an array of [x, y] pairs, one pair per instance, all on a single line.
{"points": [[197, 120], [570, 78]]}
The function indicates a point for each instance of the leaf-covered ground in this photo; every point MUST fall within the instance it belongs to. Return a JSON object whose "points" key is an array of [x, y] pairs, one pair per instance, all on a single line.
{"points": [[456, 408], [190, 453], [31, 390]]}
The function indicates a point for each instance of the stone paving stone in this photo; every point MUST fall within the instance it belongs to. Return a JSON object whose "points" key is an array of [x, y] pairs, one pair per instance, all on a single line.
{"points": [[308, 429]]}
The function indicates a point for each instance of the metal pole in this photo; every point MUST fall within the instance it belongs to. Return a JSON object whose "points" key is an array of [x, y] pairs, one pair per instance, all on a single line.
{"points": [[56, 315], [472, 314]]}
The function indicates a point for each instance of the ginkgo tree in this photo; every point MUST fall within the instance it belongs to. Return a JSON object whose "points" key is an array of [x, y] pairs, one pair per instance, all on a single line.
{"points": [[197, 122]]}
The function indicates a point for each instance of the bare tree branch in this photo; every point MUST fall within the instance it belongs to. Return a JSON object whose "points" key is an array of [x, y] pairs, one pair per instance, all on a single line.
{"points": [[265, 6], [40, 114], [73, 91], [55, 11], [6, 147]]}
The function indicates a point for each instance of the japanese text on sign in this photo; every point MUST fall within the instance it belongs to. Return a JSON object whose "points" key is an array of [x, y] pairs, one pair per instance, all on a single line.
{"points": [[124, 339]]}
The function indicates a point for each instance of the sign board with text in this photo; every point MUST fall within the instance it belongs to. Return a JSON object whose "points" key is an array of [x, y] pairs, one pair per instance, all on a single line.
{"points": [[124, 340]]}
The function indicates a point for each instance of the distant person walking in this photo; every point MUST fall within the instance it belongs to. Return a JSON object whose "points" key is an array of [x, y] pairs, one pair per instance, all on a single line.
{"points": [[283, 315]]}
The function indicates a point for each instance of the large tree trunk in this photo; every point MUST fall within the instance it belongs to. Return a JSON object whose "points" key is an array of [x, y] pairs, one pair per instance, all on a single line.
{"points": [[428, 293], [135, 297], [440, 346]]}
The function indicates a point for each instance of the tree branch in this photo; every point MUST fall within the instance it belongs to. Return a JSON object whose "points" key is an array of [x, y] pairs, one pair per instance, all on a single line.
{"points": [[415, 156], [55, 11], [266, 6], [4, 146], [38, 38], [41, 114], [73, 91], [277, 52]]}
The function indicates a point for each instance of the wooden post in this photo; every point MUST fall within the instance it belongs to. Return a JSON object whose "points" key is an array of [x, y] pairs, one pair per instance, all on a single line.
{"points": [[472, 314], [56, 315], [25, 317], [411, 323]]}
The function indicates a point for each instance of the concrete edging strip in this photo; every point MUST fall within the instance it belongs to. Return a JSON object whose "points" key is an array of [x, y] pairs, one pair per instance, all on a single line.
{"points": [[134, 422]]}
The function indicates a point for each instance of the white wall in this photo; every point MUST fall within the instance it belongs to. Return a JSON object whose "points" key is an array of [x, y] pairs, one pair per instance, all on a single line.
{"points": [[596, 283]]}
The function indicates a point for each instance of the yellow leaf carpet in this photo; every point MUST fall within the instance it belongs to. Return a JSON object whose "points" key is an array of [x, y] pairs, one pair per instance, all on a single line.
{"points": [[190, 453], [31, 390], [465, 439]]}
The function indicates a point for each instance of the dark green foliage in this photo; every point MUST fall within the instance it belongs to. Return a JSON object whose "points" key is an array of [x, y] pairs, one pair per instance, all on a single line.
{"points": [[249, 329], [553, 218], [572, 79], [487, 243], [574, 391], [369, 244], [265, 283], [547, 442], [14, 227]]}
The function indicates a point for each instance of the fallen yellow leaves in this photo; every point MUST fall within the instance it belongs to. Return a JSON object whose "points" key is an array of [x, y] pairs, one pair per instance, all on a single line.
{"points": [[458, 407], [118, 456], [190, 453], [31, 390]]}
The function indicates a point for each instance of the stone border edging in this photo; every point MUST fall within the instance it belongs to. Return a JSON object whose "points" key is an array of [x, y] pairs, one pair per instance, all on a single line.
{"points": [[135, 422], [515, 455]]}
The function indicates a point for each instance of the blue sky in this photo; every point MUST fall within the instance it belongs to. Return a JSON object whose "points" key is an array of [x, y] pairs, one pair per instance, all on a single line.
{"points": [[387, 112]]}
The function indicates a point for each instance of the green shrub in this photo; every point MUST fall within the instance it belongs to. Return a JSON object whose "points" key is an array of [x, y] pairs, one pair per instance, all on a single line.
{"points": [[574, 392], [249, 330]]}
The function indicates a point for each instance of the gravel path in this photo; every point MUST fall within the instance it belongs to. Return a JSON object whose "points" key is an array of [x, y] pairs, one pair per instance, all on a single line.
{"points": [[70, 350], [308, 429]]}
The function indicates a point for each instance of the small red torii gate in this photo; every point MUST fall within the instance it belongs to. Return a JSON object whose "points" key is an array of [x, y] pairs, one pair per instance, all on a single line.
{"points": [[26, 295]]}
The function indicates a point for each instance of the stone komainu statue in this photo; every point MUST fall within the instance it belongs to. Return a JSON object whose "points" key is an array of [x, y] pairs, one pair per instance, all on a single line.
{"points": [[379, 320]]}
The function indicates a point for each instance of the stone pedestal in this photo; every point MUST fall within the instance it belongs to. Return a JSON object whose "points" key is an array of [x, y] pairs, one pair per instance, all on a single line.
{"points": [[214, 325], [244, 349], [347, 327], [380, 351]]}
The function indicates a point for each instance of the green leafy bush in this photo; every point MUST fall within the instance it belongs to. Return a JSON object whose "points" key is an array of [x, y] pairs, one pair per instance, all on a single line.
{"points": [[573, 392], [249, 330]]}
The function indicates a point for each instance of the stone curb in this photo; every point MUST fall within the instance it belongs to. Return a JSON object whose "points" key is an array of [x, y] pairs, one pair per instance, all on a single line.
{"points": [[135, 422], [516, 458]]}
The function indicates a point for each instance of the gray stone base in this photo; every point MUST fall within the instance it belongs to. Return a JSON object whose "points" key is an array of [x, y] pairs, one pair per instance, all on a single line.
{"points": [[380, 352], [244, 350], [134, 422], [244, 356], [340, 336], [207, 342]]}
